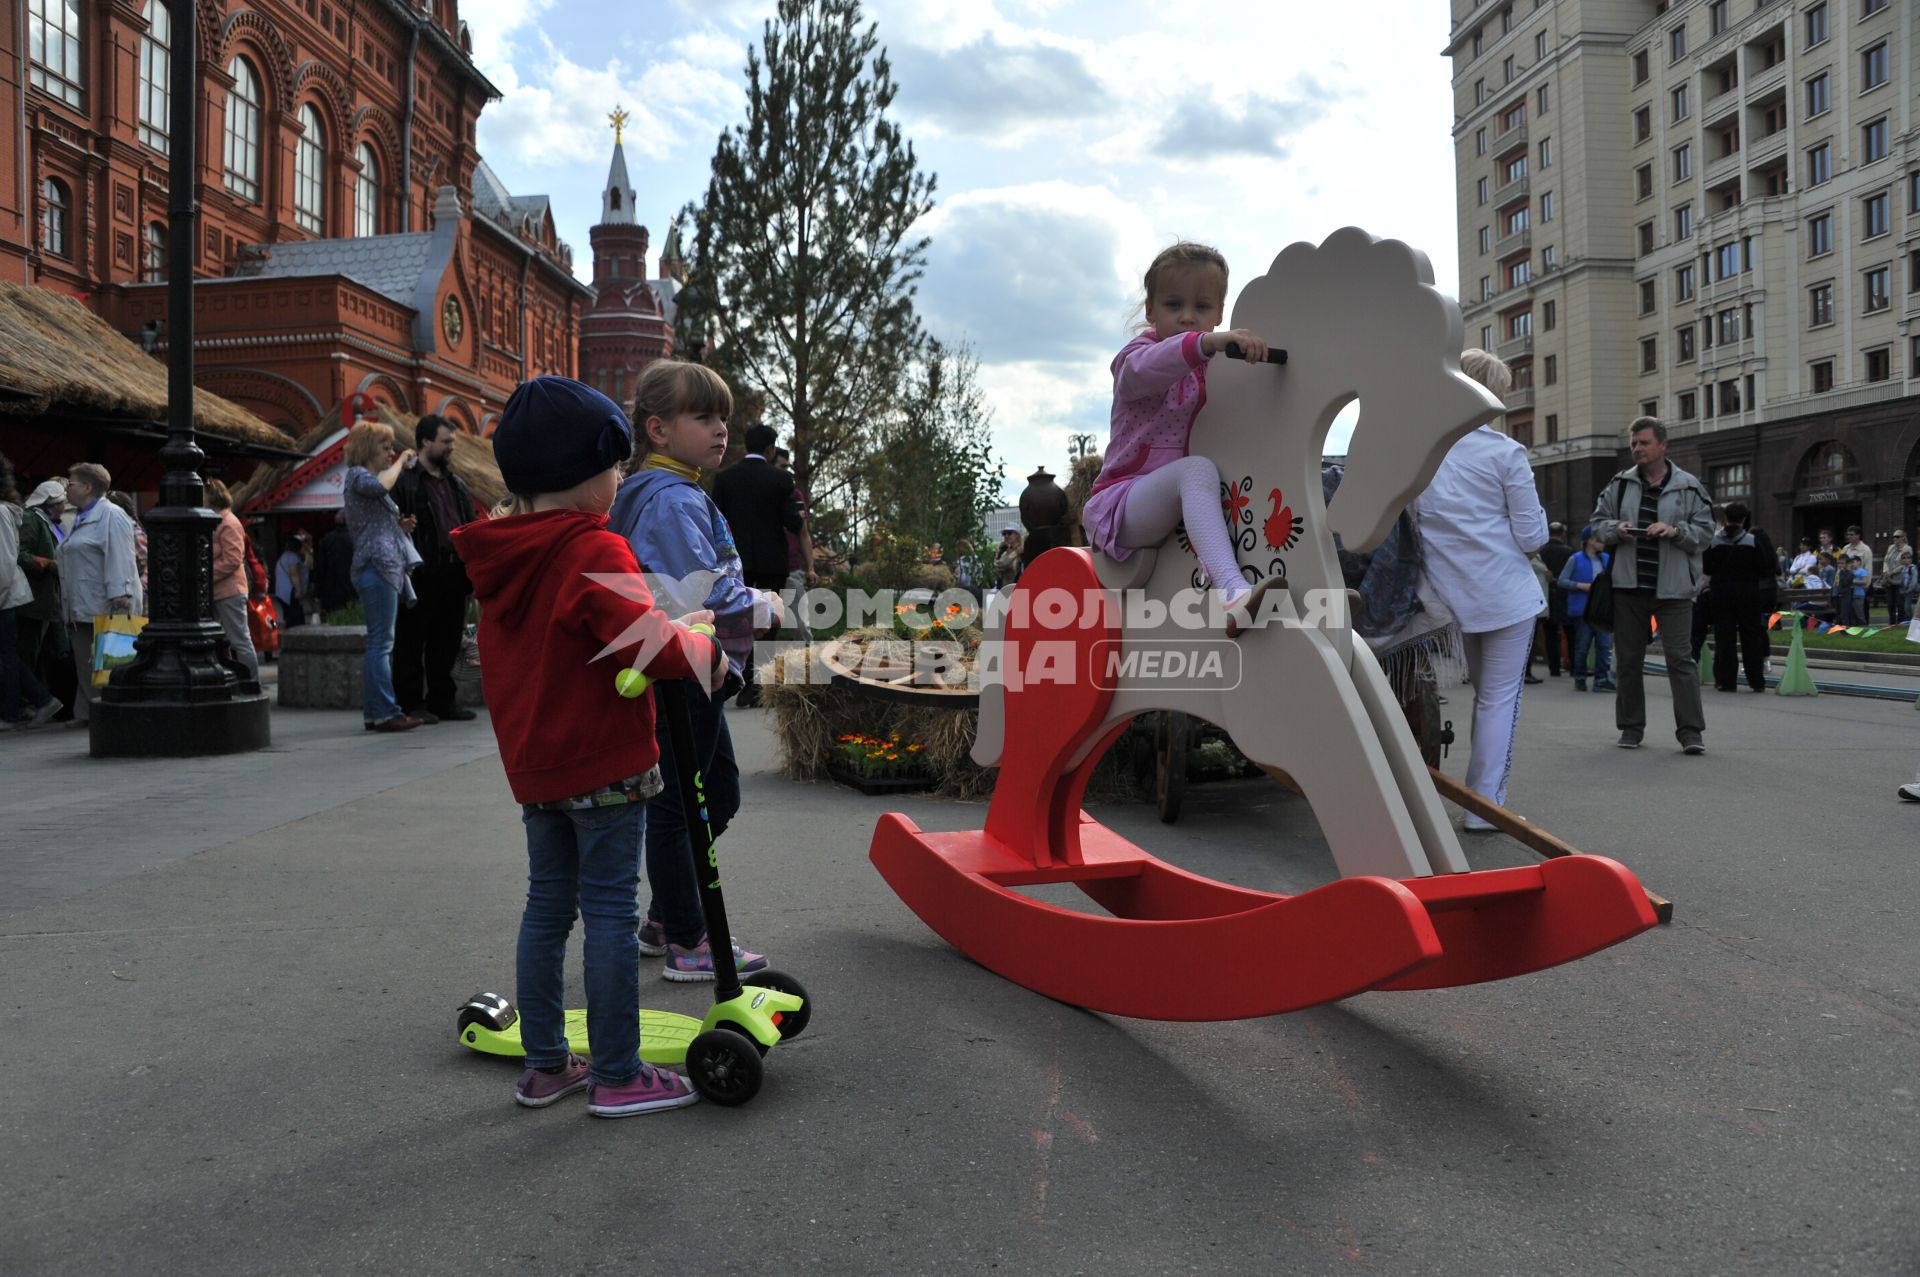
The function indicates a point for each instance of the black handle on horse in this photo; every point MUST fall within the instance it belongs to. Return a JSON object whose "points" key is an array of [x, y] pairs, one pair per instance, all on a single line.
{"points": [[670, 697], [1274, 354]]}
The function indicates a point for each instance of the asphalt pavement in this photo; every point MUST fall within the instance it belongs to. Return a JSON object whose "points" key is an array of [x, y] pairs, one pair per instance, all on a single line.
{"points": [[231, 985]]}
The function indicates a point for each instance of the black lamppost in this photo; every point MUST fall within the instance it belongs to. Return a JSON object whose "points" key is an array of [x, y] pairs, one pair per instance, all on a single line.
{"points": [[182, 694]]}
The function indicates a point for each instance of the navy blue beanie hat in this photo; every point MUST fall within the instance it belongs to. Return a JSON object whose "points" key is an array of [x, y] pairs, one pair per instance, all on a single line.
{"points": [[555, 433]]}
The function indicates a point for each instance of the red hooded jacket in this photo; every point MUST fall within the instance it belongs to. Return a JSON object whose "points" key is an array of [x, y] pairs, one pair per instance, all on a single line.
{"points": [[563, 729]]}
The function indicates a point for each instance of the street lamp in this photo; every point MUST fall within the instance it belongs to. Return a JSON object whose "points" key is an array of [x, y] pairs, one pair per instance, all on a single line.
{"points": [[181, 695]]}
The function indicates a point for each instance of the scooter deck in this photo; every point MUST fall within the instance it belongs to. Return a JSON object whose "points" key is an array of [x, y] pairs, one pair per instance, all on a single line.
{"points": [[664, 1036]]}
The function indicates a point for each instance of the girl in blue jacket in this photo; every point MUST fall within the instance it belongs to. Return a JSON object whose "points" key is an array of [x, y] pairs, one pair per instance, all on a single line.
{"points": [[685, 547]]}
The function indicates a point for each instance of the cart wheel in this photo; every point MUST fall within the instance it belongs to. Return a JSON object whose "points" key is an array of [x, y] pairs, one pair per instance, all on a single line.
{"points": [[489, 1010], [1139, 744], [792, 1023], [725, 1067], [1170, 764]]}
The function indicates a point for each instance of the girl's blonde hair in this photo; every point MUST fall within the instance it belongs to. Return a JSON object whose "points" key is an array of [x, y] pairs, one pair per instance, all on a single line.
{"points": [[367, 441], [669, 387], [1487, 369], [1184, 255]]}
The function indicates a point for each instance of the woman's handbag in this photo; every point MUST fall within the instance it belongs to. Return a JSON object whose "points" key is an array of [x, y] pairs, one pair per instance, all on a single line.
{"points": [[1600, 601]]}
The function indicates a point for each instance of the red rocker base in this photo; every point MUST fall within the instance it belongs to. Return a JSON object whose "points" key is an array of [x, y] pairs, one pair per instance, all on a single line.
{"points": [[1354, 934]]}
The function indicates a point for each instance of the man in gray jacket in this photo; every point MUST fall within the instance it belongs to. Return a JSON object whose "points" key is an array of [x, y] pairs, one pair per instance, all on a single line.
{"points": [[1660, 519]]}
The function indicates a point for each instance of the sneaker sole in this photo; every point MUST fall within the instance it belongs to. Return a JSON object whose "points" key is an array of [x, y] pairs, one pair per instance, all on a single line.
{"points": [[644, 1106], [1693, 749], [528, 1101], [693, 977], [1629, 744], [652, 950]]}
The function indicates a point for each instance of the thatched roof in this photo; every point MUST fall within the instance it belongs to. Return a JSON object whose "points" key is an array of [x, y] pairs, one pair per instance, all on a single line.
{"points": [[472, 459], [56, 356]]}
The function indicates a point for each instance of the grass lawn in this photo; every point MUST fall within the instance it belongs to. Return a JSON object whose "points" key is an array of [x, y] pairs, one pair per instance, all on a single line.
{"points": [[1893, 639]]}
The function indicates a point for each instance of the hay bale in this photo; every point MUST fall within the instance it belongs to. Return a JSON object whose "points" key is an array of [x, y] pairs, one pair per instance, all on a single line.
{"points": [[811, 714]]}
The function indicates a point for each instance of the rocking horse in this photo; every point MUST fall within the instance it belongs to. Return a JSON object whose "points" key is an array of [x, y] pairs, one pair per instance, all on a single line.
{"points": [[1360, 318]]}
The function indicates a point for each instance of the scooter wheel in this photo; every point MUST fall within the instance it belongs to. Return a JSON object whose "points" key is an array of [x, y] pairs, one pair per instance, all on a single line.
{"points": [[792, 1023], [489, 1010], [725, 1067]]}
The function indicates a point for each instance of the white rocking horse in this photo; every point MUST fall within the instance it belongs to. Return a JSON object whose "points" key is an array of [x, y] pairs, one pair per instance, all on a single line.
{"points": [[1359, 318]]}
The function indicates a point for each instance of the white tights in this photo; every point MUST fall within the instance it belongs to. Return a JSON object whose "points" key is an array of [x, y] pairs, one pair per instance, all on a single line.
{"points": [[1187, 490]]}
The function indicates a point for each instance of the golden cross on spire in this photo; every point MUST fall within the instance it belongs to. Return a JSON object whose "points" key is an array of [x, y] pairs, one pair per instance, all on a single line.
{"points": [[619, 120]]}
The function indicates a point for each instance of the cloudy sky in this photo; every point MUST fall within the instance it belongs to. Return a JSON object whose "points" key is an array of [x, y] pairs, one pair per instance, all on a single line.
{"points": [[1072, 139]]}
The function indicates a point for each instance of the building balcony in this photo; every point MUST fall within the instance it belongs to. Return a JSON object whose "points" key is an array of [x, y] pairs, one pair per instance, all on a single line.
{"points": [[1760, 83], [1763, 151], [1726, 166], [1515, 348], [1512, 139], [1517, 189], [1520, 399], [1520, 241]]}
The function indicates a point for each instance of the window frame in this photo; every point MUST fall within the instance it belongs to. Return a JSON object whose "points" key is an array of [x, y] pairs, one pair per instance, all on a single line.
{"points": [[366, 191], [56, 219], [241, 132], [156, 69], [310, 171], [61, 24], [1883, 48]]}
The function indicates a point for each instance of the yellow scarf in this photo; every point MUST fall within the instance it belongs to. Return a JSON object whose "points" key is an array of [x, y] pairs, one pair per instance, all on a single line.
{"points": [[661, 461]]}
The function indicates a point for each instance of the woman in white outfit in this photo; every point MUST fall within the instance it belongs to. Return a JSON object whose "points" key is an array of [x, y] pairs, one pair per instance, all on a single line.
{"points": [[1480, 520]]}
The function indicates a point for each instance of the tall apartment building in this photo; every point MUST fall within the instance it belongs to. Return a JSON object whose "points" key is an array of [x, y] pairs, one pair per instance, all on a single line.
{"points": [[1706, 211]]}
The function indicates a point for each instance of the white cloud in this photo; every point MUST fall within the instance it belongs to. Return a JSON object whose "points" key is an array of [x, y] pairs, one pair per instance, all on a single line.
{"points": [[556, 112], [999, 92], [493, 26], [1030, 272]]}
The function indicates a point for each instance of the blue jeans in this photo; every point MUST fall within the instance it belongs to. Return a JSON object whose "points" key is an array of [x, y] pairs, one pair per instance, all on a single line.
{"points": [[381, 602], [1601, 643], [676, 896], [587, 860]]}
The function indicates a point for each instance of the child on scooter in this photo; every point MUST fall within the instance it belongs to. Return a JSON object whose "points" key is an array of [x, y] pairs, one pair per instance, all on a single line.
{"points": [[1150, 484], [580, 759], [683, 542]]}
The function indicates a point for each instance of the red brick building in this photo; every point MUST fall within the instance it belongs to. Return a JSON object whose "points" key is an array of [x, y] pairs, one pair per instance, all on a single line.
{"points": [[352, 237]]}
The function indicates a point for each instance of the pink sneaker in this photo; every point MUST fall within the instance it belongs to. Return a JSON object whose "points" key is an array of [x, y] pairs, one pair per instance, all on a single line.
{"points": [[696, 963], [651, 1089], [536, 1090]]}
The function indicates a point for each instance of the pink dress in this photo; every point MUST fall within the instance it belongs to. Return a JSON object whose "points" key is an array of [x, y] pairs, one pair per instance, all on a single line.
{"points": [[1159, 387]]}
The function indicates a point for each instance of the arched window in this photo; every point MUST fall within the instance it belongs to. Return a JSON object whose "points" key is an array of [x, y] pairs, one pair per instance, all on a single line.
{"points": [[53, 35], [55, 215], [310, 173], [156, 61], [243, 131], [153, 252], [1829, 465], [366, 193]]}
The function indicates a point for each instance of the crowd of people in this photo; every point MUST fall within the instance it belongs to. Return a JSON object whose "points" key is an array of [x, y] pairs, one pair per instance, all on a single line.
{"points": [[70, 551]]}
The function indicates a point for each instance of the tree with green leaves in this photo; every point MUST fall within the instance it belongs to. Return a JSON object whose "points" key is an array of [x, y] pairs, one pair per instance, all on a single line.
{"points": [[929, 473], [804, 262]]}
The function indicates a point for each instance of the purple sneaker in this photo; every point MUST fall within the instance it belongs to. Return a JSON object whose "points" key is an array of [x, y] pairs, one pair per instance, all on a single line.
{"points": [[696, 963], [652, 1089], [653, 937], [536, 1090]]}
